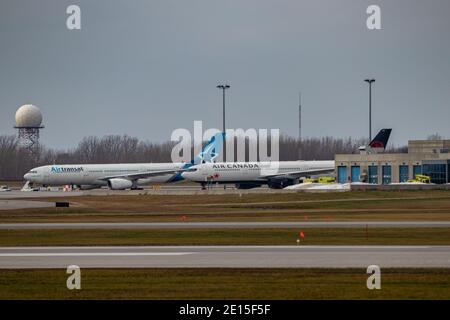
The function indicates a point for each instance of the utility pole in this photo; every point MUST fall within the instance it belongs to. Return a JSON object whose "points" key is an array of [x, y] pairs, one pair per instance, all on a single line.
{"points": [[299, 125], [370, 81], [300, 116], [223, 87]]}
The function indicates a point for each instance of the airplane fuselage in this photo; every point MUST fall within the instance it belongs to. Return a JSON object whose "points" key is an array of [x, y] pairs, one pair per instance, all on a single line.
{"points": [[255, 172], [94, 174]]}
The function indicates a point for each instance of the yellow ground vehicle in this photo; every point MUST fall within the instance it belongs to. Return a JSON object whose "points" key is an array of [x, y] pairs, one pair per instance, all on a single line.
{"points": [[327, 179], [321, 180], [420, 178]]}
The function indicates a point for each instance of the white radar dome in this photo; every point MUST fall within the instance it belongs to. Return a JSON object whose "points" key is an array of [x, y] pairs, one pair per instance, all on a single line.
{"points": [[28, 116]]}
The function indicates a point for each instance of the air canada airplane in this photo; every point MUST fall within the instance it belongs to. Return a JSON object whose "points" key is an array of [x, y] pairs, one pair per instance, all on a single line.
{"points": [[248, 175], [276, 174], [119, 176]]}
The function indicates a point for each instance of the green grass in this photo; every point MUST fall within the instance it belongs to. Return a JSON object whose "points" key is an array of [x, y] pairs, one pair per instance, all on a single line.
{"points": [[374, 205], [225, 284], [284, 236]]}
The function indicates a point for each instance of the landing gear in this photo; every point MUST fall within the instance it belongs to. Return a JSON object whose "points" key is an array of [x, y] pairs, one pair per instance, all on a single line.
{"points": [[135, 186], [28, 186]]}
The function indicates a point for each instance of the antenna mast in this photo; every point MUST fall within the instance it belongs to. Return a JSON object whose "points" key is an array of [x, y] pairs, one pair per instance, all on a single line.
{"points": [[299, 125], [300, 116]]}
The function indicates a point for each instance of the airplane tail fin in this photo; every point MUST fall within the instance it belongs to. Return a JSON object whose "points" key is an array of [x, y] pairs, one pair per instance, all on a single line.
{"points": [[381, 139], [208, 153], [210, 150]]}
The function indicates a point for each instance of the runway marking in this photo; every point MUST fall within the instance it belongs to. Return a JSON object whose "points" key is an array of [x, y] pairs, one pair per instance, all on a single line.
{"points": [[187, 225], [229, 247], [94, 254], [228, 256]]}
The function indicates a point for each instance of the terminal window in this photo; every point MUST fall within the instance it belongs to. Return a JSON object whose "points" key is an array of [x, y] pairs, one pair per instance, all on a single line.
{"points": [[417, 169], [404, 174], [356, 173], [373, 174], [342, 174], [386, 171], [436, 171]]}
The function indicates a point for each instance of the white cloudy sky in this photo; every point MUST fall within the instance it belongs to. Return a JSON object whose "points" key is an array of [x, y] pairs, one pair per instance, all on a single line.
{"points": [[146, 67]]}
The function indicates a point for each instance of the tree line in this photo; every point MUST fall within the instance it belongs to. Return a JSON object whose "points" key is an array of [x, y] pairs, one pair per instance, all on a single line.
{"points": [[15, 160]]}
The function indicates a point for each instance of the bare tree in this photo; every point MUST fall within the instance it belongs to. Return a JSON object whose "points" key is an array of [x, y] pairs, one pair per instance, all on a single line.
{"points": [[434, 136], [15, 161]]}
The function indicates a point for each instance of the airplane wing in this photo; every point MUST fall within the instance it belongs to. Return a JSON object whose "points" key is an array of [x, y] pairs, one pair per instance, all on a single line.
{"points": [[143, 175], [296, 174]]}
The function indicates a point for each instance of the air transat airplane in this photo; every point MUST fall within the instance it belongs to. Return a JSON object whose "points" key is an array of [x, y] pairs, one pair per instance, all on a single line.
{"points": [[277, 175], [119, 176]]}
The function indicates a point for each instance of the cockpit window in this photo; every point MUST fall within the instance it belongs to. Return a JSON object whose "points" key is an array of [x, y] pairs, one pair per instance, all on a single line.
{"points": [[192, 170]]}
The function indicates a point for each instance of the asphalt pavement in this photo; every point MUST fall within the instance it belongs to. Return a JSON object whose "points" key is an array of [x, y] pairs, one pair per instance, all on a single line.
{"points": [[218, 225], [226, 257]]}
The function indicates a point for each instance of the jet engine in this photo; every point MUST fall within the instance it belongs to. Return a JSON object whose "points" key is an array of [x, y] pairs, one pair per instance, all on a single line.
{"points": [[119, 184]]}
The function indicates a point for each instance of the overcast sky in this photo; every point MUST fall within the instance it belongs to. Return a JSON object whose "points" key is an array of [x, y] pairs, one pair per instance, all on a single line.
{"points": [[145, 68]]}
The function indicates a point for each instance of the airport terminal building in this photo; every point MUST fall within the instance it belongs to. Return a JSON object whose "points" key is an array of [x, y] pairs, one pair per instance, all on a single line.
{"points": [[427, 157]]}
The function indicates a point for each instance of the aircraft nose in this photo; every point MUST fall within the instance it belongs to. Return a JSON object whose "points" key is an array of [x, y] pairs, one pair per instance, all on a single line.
{"points": [[27, 176]]}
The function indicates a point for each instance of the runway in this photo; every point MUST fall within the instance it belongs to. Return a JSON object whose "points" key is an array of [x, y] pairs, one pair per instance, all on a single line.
{"points": [[226, 257], [219, 225], [148, 190], [38, 194], [24, 204]]}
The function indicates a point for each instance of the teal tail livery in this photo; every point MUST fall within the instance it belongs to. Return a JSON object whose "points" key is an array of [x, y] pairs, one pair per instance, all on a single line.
{"points": [[209, 152]]}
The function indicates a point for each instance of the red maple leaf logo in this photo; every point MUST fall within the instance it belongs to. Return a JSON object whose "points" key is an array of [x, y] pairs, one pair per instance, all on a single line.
{"points": [[377, 144]]}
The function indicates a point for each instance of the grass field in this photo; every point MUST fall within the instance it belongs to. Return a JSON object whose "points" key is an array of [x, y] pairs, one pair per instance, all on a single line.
{"points": [[217, 283], [288, 236], [349, 206], [225, 284]]}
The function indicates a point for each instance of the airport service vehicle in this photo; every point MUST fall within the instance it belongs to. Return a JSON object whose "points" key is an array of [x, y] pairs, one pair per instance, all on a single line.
{"points": [[118, 176], [4, 189], [322, 180], [421, 178], [248, 175]]}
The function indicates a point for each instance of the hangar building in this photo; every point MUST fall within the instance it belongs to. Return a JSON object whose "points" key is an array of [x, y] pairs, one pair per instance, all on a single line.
{"points": [[427, 157]]}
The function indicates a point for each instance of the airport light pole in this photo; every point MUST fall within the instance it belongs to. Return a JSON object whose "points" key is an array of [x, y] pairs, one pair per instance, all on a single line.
{"points": [[223, 87], [370, 81], [299, 125]]}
